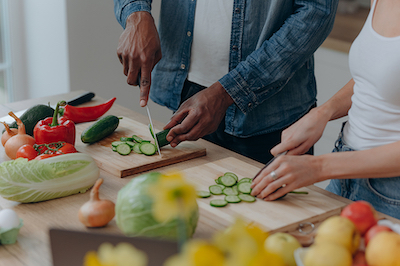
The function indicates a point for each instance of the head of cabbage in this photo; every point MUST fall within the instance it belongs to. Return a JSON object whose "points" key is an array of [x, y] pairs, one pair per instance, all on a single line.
{"points": [[133, 211]]}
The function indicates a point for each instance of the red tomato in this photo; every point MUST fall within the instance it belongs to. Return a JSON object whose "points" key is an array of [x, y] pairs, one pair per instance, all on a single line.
{"points": [[27, 151], [46, 155], [67, 148]]}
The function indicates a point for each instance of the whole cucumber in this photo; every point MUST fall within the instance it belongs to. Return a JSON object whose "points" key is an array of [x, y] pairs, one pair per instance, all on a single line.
{"points": [[100, 129], [33, 115]]}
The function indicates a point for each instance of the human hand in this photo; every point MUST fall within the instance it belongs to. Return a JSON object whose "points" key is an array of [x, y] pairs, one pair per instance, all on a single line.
{"points": [[302, 135], [139, 50], [199, 115], [291, 172]]}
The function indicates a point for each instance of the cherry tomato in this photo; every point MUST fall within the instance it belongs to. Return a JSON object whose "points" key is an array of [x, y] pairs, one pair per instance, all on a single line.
{"points": [[27, 151], [67, 148], [46, 155]]}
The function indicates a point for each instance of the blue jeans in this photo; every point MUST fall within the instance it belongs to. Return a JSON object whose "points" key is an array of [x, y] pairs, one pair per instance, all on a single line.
{"points": [[382, 193]]}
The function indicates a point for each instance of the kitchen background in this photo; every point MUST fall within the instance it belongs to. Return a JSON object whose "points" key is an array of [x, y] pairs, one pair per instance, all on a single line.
{"points": [[57, 46]]}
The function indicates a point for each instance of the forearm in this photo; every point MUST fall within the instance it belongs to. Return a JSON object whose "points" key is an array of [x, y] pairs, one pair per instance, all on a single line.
{"points": [[339, 104], [378, 162]]}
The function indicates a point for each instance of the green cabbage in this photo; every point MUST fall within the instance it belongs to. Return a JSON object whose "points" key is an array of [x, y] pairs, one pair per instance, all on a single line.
{"points": [[133, 211], [55, 177]]}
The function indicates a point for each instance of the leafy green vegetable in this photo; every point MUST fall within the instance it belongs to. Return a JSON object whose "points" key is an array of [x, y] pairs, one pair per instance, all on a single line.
{"points": [[133, 211], [55, 177]]}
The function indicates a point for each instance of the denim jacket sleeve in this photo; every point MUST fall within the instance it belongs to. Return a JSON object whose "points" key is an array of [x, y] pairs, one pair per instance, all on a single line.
{"points": [[267, 69], [123, 8]]}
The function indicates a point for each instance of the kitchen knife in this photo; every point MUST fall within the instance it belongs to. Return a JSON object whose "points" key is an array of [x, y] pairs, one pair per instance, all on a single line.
{"points": [[268, 163], [83, 98], [155, 136]]}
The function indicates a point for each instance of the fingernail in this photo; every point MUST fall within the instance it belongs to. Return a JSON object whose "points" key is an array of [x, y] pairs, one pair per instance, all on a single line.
{"points": [[142, 103], [169, 138]]}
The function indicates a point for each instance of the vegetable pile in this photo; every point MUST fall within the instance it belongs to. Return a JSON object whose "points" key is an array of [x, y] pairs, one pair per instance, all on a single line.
{"points": [[228, 184], [134, 208], [39, 180], [136, 144]]}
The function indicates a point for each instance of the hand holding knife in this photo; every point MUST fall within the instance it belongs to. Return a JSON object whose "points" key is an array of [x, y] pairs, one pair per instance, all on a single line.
{"points": [[268, 163]]}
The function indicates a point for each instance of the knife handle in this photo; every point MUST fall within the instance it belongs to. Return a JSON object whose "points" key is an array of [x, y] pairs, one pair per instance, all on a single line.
{"points": [[83, 98]]}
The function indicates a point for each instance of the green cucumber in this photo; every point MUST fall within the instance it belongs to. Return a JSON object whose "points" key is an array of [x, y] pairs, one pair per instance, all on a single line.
{"points": [[33, 115], [229, 191], [147, 148], [123, 149], [227, 180], [232, 199], [244, 187], [247, 198], [246, 179], [161, 136], [203, 194], [136, 148], [100, 129], [215, 189], [218, 203]]}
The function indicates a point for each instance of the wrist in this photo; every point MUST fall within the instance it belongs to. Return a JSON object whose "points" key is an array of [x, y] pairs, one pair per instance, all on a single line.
{"points": [[223, 94], [136, 17]]}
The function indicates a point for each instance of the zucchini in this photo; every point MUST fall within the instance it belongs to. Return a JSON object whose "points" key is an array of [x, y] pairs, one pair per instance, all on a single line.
{"points": [[100, 129], [33, 115]]}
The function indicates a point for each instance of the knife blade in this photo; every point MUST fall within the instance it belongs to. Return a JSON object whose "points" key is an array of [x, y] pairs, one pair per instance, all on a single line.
{"points": [[80, 99], [155, 136], [269, 162]]}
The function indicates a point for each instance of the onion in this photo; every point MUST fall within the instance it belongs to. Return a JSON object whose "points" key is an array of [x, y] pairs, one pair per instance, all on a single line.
{"points": [[8, 133], [21, 138], [96, 212]]}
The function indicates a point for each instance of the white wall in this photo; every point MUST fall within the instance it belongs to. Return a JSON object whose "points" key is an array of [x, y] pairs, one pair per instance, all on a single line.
{"points": [[39, 48], [93, 34]]}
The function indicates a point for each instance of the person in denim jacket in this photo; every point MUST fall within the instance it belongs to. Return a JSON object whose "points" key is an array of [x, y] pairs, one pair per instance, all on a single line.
{"points": [[267, 84], [364, 164]]}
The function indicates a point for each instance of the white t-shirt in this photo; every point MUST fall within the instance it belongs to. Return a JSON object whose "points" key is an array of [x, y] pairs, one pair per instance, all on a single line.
{"points": [[209, 60], [374, 117]]}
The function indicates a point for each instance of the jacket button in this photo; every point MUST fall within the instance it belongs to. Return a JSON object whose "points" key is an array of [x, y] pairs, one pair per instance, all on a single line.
{"points": [[189, 33], [249, 105], [237, 10], [183, 66], [234, 48]]}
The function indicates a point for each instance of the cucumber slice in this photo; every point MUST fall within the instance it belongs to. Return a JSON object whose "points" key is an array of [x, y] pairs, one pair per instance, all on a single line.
{"points": [[222, 186], [130, 143], [123, 149], [244, 187], [232, 199], [227, 180], [125, 139], [116, 143], [114, 148], [147, 148], [217, 180], [247, 198], [203, 194], [229, 191], [235, 188], [215, 189], [246, 179], [232, 174], [136, 148], [218, 203], [137, 139]]}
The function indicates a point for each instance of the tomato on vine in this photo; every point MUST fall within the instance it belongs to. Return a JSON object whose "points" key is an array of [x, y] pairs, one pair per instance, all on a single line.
{"points": [[27, 151]]}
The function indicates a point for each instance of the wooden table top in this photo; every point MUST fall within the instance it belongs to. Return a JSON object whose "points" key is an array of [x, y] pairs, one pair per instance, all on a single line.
{"points": [[32, 246]]}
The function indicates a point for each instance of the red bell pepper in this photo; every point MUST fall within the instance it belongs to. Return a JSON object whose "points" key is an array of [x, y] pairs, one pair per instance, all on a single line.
{"points": [[87, 113], [54, 129]]}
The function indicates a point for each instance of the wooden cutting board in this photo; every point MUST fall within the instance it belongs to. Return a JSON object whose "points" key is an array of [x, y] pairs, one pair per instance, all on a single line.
{"points": [[134, 163], [282, 215]]}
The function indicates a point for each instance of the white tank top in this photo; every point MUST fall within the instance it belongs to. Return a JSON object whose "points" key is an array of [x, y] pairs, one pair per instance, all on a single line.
{"points": [[374, 117], [209, 60]]}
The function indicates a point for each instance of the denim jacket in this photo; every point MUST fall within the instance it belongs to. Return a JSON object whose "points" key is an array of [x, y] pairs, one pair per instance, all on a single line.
{"points": [[271, 65]]}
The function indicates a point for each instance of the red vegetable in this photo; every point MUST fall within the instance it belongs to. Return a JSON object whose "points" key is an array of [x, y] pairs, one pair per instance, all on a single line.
{"points": [[54, 129], [27, 151], [87, 113], [53, 149]]}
